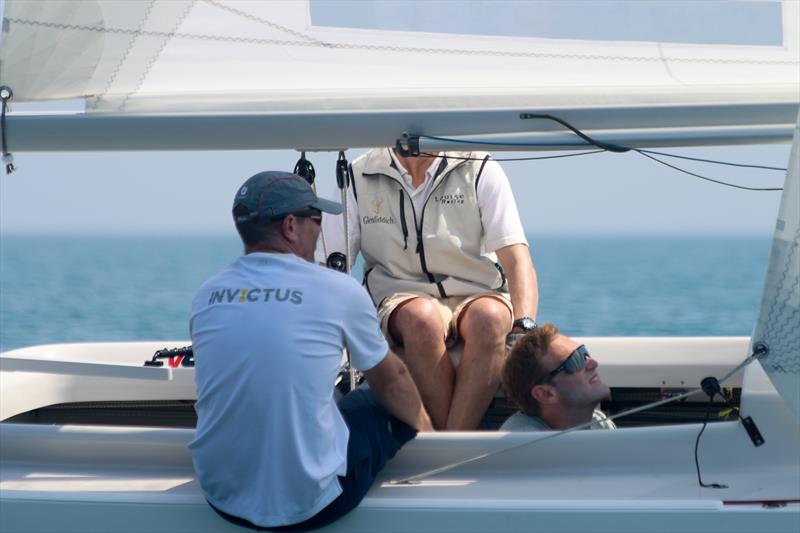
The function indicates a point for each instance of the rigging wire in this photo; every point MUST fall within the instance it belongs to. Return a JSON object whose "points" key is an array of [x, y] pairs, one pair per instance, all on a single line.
{"points": [[735, 186], [715, 161], [616, 148], [534, 158]]}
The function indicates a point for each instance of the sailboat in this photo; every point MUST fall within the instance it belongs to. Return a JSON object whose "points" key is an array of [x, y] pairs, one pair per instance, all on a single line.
{"points": [[216, 75]]}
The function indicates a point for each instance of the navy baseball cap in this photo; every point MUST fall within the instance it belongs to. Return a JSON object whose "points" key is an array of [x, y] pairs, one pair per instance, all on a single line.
{"points": [[273, 194]]}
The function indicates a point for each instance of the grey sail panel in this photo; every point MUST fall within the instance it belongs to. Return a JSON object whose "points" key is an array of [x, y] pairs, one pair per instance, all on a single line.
{"points": [[778, 321]]}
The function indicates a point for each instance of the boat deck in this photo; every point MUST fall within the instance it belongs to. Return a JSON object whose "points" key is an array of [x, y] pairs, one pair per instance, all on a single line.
{"points": [[145, 476], [70, 477]]}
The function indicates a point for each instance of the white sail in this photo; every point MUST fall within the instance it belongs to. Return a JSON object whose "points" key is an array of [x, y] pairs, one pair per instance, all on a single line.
{"points": [[294, 63], [778, 322]]}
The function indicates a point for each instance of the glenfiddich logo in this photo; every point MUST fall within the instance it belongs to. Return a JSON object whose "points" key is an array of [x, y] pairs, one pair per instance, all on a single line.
{"points": [[377, 220], [375, 209], [377, 203], [449, 199]]}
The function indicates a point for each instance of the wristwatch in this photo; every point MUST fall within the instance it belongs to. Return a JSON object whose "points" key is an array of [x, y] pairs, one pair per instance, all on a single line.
{"points": [[525, 323]]}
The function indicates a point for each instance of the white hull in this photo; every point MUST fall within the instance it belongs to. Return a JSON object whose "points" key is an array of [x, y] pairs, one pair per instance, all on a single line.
{"points": [[122, 478]]}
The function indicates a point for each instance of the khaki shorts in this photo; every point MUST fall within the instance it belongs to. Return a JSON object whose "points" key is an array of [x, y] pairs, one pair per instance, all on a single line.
{"points": [[450, 308]]}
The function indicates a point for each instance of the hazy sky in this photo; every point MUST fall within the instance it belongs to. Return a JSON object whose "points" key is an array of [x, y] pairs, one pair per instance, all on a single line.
{"points": [[666, 21], [192, 192]]}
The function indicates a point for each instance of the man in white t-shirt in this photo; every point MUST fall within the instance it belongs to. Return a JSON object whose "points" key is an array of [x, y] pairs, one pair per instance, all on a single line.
{"points": [[555, 383], [445, 260], [272, 448]]}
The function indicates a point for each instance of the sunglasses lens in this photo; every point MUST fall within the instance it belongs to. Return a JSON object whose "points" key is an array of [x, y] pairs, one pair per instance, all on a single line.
{"points": [[570, 365], [576, 360], [573, 363]]}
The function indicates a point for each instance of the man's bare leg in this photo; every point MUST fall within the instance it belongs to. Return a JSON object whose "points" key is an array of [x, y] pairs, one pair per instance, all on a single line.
{"points": [[417, 323], [483, 326]]}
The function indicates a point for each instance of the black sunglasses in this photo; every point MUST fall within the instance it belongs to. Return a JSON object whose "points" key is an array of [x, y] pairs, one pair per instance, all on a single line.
{"points": [[573, 363], [313, 214]]}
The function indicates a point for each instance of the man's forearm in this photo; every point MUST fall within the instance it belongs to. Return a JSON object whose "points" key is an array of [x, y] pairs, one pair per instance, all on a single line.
{"points": [[522, 286], [395, 389], [403, 401], [522, 282]]}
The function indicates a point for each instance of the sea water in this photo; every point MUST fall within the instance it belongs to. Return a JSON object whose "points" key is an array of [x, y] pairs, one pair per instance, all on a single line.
{"points": [[122, 288]]}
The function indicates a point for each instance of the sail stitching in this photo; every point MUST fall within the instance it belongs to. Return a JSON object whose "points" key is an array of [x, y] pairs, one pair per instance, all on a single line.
{"points": [[155, 56], [778, 320], [127, 52], [264, 21], [370, 47]]}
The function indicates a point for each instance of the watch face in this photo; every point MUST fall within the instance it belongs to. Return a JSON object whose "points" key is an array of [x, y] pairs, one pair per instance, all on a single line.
{"points": [[525, 323]]}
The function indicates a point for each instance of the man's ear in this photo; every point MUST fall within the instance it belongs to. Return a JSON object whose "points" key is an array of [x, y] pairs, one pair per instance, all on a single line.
{"points": [[289, 228], [544, 394]]}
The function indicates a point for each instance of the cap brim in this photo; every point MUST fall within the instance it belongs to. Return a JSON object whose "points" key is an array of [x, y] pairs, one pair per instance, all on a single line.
{"points": [[327, 206]]}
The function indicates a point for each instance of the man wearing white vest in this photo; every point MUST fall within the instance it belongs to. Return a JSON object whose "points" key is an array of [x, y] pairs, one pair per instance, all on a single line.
{"points": [[445, 260]]}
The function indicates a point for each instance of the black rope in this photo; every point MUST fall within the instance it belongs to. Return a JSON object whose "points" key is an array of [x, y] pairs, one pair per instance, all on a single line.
{"points": [[714, 161], [726, 184], [711, 387], [697, 444], [536, 158], [8, 160], [603, 147], [410, 137]]}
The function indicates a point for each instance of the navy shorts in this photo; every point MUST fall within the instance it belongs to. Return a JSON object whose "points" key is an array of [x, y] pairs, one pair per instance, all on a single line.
{"points": [[375, 437]]}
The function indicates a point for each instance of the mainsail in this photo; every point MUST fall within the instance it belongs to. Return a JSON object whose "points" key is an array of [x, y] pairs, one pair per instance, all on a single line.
{"points": [[314, 74], [778, 323]]}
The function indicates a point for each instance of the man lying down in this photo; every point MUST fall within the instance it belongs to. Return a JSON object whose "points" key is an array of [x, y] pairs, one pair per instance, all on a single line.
{"points": [[555, 383]]}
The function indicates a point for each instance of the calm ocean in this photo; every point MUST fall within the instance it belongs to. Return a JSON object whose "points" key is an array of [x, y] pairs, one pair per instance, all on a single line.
{"points": [[89, 288]]}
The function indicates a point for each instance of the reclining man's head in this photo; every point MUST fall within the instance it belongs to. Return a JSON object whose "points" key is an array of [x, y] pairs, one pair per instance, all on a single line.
{"points": [[552, 377]]}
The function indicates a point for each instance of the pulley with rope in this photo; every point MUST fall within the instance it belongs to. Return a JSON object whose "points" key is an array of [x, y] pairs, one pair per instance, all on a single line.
{"points": [[305, 169], [344, 177], [336, 260]]}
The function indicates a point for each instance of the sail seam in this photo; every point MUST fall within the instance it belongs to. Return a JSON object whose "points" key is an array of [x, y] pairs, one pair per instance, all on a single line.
{"points": [[266, 22], [155, 56], [127, 52], [384, 48]]}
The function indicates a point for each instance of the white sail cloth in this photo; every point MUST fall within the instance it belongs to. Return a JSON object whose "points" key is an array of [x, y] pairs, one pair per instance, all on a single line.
{"points": [[778, 323], [241, 56]]}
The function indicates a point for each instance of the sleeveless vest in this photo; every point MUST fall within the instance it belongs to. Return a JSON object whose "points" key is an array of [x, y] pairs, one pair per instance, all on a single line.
{"points": [[440, 256]]}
